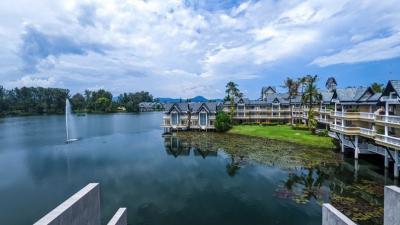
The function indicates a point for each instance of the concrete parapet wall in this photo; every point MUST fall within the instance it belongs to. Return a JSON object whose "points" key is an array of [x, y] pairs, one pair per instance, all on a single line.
{"points": [[119, 218], [392, 205], [81, 208], [332, 216]]}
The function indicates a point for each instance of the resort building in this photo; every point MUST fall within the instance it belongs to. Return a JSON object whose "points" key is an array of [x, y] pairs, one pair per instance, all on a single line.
{"points": [[150, 106], [188, 115], [359, 118]]}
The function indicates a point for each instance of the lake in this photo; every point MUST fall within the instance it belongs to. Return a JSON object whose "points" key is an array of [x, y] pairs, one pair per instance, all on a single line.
{"points": [[187, 178]]}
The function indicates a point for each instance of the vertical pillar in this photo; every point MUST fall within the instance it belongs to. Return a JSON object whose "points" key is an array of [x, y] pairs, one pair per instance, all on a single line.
{"points": [[335, 113], [356, 169], [386, 114], [342, 142], [356, 148], [279, 110], [396, 164], [342, 116], [386, 159]]}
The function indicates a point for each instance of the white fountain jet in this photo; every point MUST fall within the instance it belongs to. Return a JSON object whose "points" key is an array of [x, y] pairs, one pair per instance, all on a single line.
{"points": [[68, 116]]}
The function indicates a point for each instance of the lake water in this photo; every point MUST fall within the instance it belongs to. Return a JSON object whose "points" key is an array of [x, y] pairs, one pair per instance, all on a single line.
{"points": [[188, 178]]}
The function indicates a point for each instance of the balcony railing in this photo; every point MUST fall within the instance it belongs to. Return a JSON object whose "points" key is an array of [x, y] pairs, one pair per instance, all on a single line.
{"points": [[352, 130], [388, 139], [368, 132], [388, 119], [390, 98], [365, 115]]}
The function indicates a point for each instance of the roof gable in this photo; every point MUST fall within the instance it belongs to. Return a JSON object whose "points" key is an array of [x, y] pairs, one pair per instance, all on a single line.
{"points": [[392, 86]]}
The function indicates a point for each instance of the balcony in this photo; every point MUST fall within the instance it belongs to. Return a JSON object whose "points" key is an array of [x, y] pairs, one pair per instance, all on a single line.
{"points": [[262, 117], [345, 130], [354, 115], [391, 98], [388, 140], [323, 120], [367, 132], [388, 119], [324, 111]]}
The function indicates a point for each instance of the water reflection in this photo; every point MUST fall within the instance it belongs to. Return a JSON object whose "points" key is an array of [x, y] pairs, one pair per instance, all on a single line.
{"points": [[313, 176]]}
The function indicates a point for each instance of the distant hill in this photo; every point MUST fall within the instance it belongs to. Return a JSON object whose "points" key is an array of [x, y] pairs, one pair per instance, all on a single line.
{"points": [[195, 99]]}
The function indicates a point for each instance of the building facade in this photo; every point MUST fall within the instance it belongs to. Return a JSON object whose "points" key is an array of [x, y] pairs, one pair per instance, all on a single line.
{"points": [[359, 118], [150, 106], [194, 116]]}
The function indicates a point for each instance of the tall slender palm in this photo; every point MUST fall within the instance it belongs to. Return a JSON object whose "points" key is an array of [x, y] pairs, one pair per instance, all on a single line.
{"points": [[331, 84], [232, 91], [311, 93], [293, 89]]}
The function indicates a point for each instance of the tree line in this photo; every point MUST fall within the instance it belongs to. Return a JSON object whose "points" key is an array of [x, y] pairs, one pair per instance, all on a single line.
{"points": [[39, 100]]}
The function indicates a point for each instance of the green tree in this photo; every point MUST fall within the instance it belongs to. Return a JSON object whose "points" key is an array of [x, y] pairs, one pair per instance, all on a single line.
{"points": [[311, 94], [78, 102], [376, 87], [131, 100], [312, 122], [223, 122], [232, 91], [102, 104], [293, 90]]}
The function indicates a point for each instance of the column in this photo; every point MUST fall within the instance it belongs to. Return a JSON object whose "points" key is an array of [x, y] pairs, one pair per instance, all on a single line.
{"points": [[396, 164], [342, 116], [386, 114], [356, 148], [386, 158], [342, 142], [335, 113], [279, 110]]}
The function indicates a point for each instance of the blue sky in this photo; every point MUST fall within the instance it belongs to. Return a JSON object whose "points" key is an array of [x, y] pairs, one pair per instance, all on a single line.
{"points": [[180, 48]]}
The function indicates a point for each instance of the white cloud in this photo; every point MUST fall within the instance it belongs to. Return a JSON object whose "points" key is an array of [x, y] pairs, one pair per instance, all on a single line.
{"points": [[171, 49], [30, 81], [371, 50]]}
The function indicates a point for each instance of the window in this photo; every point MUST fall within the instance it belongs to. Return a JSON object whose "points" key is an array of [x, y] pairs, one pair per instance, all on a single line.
{"points": [[175, 118], [203, 119]]}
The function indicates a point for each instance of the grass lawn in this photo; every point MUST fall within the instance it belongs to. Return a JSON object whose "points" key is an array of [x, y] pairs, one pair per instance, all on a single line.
{"points": [[284, 133]]}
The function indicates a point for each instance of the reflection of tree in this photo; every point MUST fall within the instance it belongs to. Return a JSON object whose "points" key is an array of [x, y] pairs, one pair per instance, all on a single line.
{"points": [[234, 165], [304, 186]]}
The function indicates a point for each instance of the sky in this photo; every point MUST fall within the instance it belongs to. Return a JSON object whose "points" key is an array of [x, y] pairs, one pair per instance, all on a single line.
{"points": [[185, 48]]}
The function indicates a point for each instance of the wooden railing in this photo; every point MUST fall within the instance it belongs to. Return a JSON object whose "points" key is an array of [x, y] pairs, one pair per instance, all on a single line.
{"points": [[388, 139], [388, 119]]}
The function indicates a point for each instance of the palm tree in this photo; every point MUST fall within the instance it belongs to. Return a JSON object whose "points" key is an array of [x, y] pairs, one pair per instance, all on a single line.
{"points": [[232, 91], [376, 87], [331, 84], [311, 93], [293, 89], [302, 81]]}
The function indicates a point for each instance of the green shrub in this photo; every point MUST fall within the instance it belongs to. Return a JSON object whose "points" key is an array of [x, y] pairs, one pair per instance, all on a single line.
{"points": [[323, 133], [223, 122]]}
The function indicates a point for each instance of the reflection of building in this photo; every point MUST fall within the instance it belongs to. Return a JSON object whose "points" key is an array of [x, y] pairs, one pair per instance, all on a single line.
{"points": [[174, 146], [182, 116], [180, 147]]}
